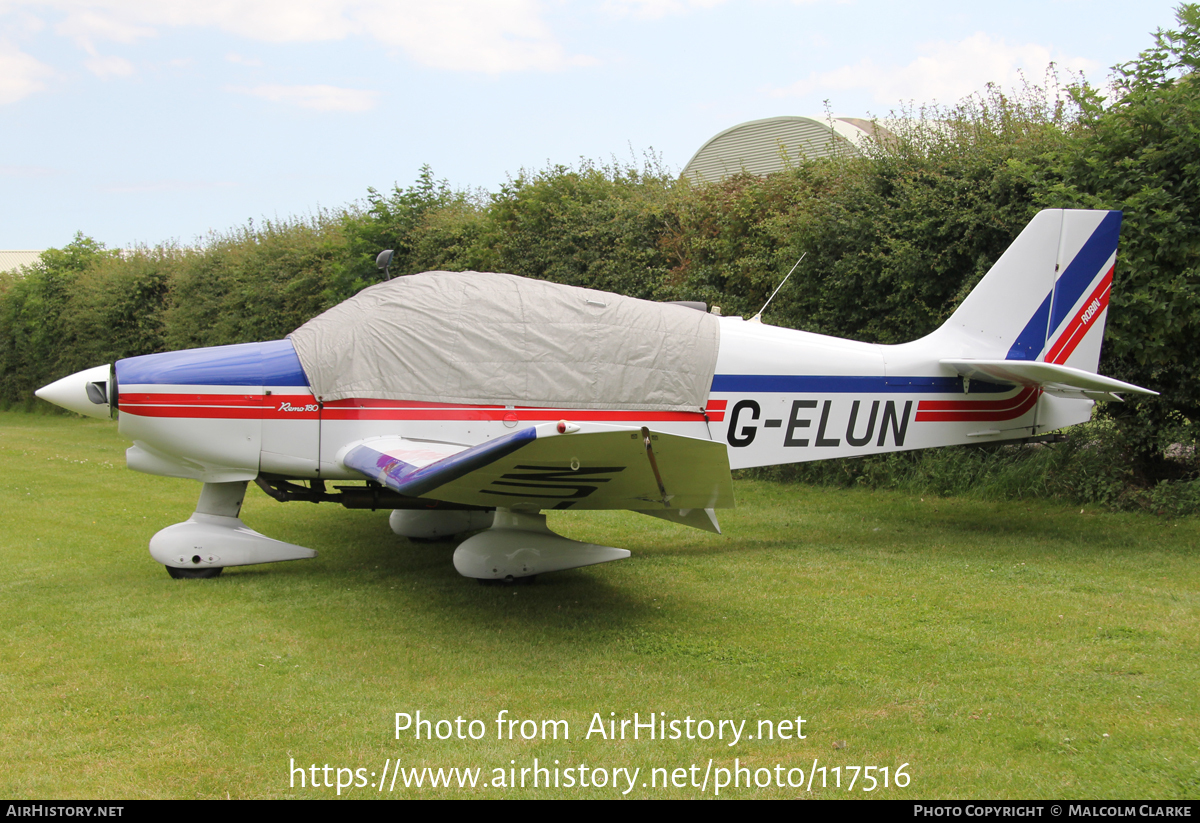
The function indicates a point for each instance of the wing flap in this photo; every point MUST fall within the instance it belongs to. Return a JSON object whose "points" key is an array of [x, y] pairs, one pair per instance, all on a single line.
{"points": [[583, 466], [705, 519]]}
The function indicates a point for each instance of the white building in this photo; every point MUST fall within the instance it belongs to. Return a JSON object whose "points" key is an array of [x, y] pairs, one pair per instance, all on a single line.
{"points": [[765, 146], [10, 260]]}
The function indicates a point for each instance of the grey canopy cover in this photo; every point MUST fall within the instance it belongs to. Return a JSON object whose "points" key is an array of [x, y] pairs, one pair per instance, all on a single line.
{"points": [[483, 338]]}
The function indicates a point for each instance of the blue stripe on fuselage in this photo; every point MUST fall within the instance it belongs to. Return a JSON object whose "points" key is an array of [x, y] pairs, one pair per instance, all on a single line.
{"points": [[247, 364], [813, 384]]}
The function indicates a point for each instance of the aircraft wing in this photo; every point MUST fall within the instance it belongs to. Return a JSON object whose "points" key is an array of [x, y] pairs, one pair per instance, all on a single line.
{"points": [[560, 466], [1062, 381]]}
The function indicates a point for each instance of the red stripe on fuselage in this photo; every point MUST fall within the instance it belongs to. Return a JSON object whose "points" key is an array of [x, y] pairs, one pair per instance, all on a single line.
{"points": [[219, 406], [952, 411], [196, 399], [519, 415], [304, 407]]}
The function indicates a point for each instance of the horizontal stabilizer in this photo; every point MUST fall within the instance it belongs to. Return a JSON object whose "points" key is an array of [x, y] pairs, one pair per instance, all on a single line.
{"points": [[560, 466], [1062, 381]]}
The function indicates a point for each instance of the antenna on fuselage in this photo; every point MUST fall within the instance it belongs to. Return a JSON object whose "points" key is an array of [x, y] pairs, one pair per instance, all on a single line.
{"points": [[758, 317], [383, 261]]}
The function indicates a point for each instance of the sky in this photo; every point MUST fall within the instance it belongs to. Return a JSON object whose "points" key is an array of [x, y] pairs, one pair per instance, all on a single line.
{"points": [[161, 121]]}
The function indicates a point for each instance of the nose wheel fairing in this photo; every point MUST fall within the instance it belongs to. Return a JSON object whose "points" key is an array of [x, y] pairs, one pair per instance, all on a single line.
{"points": [[215, 537]]}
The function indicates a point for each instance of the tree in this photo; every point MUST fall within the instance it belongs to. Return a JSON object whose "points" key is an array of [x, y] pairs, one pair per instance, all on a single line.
{"points": [[34, 316], [1140, 152]]}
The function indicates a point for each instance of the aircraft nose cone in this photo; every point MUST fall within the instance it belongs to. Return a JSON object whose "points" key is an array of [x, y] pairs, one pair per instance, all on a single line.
{"points": [[85, 392]]}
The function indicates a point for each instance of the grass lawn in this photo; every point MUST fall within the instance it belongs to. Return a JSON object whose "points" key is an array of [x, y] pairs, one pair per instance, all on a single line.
{"points": [[999, 650]]}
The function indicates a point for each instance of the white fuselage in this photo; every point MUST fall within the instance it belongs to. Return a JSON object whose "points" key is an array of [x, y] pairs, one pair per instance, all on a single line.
{"points": [[778, 396]]}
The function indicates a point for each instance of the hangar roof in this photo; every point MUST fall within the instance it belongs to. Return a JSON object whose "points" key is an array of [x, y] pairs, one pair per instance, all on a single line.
{"points": [[765, 146], [10, 260]]}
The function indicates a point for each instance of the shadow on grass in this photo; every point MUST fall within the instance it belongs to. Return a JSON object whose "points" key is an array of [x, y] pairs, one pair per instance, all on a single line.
{"points": [[366, 575]]}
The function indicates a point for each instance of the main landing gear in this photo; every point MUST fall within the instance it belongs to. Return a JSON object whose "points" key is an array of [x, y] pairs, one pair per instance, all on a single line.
{"points": [[513, 547], [519, 546]]}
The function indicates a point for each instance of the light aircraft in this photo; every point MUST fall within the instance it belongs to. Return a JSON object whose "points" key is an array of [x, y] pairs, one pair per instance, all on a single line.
{"points": [[471, 401]]}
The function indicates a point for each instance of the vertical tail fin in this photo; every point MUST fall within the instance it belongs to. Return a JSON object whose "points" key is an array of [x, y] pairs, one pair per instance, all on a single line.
{"points": [[1046, 299]]}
